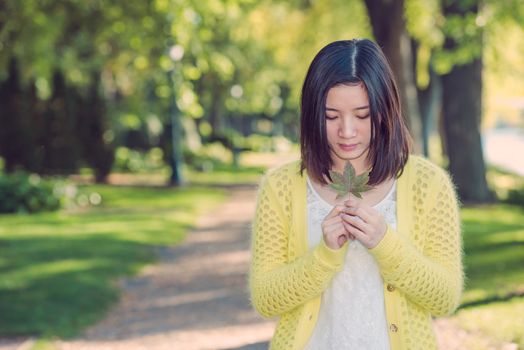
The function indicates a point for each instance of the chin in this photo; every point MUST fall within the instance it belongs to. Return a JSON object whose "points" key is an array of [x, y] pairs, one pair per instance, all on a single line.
{"points": [[350, 156]]}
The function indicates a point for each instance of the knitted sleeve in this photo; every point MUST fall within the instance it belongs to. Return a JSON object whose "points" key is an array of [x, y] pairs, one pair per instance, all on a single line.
{"points": [[278, 285], [431, 277]]}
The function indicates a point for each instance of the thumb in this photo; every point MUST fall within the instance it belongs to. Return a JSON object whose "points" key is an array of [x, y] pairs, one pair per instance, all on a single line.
{"points": [[337, 209], [341, 240]]}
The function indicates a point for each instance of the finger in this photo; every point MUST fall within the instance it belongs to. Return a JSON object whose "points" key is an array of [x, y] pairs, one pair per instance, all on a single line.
{"points": [[362, 212], [336, 229], [337, 209], [356, 222], [355, 232], [332, 221], [352, 201], [335, 235]]}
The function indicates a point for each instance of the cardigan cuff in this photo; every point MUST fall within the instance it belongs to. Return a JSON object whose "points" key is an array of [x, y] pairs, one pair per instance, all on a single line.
{"points": [[386, 247], [329, 256]]}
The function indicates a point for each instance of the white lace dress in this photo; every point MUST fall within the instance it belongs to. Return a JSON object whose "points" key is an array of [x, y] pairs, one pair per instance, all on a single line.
{"points": [[352, 312]]}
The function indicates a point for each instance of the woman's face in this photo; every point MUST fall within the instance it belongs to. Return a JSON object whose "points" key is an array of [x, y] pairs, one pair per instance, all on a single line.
{"points": [[348, 126]]}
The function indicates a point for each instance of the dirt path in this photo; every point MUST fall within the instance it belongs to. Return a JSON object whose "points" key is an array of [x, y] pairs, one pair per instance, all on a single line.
{"points": [[196, 297]]}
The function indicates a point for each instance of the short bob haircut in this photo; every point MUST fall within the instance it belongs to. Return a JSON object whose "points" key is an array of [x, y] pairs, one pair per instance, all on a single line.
{"points": [[353, 62]]}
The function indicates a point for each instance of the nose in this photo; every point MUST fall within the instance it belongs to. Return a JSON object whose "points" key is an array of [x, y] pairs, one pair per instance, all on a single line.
{"points": [[347, 127]]}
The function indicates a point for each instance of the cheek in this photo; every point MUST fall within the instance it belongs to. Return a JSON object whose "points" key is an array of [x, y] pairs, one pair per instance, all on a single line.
{"points": [[365, 128], [331, 131]]}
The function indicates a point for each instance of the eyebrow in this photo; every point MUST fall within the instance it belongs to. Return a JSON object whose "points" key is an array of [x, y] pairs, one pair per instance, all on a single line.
{"points": [[336, 110]]}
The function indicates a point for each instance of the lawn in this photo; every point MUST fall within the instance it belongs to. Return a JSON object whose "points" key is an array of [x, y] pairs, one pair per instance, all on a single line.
{"points": [[59, 269], [226, 175], [493, 302], [494, 248]]}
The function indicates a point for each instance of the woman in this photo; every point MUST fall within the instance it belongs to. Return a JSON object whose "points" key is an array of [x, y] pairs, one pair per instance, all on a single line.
{"points": [[355, 273]]}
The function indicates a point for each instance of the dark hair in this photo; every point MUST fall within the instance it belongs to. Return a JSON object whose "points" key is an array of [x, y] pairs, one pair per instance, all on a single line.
{"points": [[351, 62]]}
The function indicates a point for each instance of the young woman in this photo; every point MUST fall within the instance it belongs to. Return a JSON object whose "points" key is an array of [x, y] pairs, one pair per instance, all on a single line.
{"points": [[354, 273]]}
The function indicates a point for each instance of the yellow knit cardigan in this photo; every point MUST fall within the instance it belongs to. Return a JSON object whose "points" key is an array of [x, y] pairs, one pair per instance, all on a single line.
{"points": [[420, 262]]}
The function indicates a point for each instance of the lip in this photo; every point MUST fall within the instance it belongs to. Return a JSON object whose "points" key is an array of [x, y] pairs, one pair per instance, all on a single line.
{"points": [[348, 147]]}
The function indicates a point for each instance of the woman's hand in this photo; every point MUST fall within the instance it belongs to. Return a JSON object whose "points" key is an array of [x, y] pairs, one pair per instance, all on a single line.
{"points": [[363, 222], [333, 230]]}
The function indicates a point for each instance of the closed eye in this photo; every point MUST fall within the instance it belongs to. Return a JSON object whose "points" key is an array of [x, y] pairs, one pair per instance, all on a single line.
{"points": [[363, 116], [331, 117]]}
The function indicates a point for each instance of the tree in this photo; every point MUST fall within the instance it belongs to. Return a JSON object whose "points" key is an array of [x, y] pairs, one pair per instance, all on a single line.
{"points": [[462, 100], [389, 29]]}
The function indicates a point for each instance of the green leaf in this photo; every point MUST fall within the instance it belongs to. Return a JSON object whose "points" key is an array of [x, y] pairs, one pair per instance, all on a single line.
{"points": [[360, 181], [348, 182], [337, 177], [340, 195], [357, 194], [338, 188], [349, 172]]}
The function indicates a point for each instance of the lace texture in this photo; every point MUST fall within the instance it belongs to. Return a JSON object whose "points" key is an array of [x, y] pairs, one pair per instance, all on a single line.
{"points": [[352, 313]]}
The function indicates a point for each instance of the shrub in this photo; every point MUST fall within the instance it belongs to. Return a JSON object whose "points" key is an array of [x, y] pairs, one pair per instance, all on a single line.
{"points": [[516, 196], [208, 157], [129, 160], [27, 193]]}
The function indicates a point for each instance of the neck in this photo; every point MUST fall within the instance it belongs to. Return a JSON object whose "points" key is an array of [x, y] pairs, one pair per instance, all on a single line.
{"points": [[360, 166]]}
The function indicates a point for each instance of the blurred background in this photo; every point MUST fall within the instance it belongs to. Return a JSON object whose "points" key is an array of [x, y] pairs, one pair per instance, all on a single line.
{"points": [[121, 122]]}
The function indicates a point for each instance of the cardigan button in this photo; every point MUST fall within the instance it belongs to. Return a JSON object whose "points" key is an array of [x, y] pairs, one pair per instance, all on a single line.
{"points": [[393, 327], [391, 288], [310, 317]]}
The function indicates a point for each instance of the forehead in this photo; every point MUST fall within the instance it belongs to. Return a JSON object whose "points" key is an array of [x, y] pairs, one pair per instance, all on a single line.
{"points": [[345, 97]]}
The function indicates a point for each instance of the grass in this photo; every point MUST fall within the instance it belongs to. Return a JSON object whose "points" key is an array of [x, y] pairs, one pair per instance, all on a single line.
{"points": [[494, 252], [501, 321], [493, 302], [226, 175], [58, 269]]}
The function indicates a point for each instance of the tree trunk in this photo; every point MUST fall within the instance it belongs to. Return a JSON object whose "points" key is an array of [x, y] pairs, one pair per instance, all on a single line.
{"points": [[97, 152], [389, 29], [176, 160], [215, 110], [462, 108], [17, 132], [462, 91], [59, 142], [430, 102]]}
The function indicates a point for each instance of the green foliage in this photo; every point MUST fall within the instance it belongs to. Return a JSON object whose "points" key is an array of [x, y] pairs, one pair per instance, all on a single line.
{"points": [[27, 193], [508, 186], [133, 161], [349, 182], [474, 33], [516, 197], [208, 157], [58, 269], [237, 61], [261, 143], [463, 29]]}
